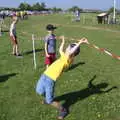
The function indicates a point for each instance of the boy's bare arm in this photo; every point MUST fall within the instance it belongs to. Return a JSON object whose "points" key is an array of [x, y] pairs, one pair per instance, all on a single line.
{"points": [[61, 49], [83, 40], [46, 52]]}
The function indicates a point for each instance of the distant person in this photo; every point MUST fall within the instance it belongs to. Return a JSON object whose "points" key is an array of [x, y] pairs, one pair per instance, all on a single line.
{"points": [[18, 14], [21, 15], [46, 83], [77, 14], [50, 45], [13, 36], [25, 15]]}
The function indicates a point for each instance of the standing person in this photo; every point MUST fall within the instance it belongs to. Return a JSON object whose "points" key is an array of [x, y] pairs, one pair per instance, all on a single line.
{"points": [[13, 36], [77, 14], [46, 83], [50, 45]]}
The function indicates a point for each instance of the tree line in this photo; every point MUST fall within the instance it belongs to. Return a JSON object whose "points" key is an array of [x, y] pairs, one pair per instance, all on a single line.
{"points": [[35, 7], [42, 7]]}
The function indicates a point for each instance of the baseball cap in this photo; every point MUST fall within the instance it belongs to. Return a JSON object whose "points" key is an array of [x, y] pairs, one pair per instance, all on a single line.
{"points": [[50, 27]]}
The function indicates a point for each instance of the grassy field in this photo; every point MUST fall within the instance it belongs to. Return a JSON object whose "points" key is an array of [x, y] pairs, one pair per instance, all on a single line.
{"points": [[90, 88]]}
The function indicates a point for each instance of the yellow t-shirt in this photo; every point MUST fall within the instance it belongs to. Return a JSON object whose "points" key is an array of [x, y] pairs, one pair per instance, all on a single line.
{"points": [[56, 68]]}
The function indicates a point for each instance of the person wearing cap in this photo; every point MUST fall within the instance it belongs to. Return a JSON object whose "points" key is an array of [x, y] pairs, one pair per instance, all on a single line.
{"points": [[46, 84], [50, 45], [13, 36]]}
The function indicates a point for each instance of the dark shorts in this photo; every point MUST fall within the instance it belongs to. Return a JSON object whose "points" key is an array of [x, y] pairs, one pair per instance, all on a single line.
{"points": [[14, 39], [49, 60]]}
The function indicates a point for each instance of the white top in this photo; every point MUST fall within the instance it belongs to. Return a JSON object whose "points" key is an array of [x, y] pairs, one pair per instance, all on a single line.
{"points": [[13, 29]]}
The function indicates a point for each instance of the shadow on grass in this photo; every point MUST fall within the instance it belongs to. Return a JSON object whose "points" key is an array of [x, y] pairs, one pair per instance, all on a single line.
{"points": [[5, 31], [74, 66], [73, 97], [30, 52], [4, 78]]}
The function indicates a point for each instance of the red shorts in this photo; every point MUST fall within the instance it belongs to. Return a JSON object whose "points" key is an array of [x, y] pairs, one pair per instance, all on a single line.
{"points": [[14, 39], [49, 60]]}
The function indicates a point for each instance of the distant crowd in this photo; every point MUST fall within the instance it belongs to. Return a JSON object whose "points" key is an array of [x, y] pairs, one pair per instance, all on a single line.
{"points": [[19, 14]]}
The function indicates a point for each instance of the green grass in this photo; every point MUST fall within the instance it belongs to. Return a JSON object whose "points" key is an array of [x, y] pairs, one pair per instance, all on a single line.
{"points": [[18, 100]]}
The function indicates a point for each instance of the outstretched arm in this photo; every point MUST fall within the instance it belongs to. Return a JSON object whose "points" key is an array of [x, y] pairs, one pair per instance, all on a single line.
{"points": [[90, 84], [114, 87], [61, 49]]}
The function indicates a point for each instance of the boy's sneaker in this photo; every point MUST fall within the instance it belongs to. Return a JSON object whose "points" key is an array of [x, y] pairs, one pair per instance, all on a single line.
{"points": [[62, 114]]}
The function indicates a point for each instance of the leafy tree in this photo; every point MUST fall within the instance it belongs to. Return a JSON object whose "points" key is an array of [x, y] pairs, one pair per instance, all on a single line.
{"points": [[111, 10], [43, 6], [24, 6], [74, 8], [54, 9], [21, 6], [39, 7], [36, 6]]}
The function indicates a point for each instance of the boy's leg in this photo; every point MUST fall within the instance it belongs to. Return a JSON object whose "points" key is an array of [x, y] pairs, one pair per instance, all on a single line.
{"points": [[62, 111], [16, 49], [49, 96], [40, 86], [50, 84], [13, 52], [15, 44]]}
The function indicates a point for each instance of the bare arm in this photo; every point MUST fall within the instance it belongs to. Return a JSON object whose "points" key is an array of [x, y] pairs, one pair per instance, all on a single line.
{"points": [[46, 52], [62, 44], [83, 40], [11, 29]]}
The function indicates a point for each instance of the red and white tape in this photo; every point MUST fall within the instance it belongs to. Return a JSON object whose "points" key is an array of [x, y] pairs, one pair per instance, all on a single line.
{"points": [[105, 51], [101, 50], [91, 45]]}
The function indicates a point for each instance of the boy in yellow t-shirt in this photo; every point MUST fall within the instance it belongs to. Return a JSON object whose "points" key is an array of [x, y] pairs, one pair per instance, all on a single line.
{"points": [[46, 83]]}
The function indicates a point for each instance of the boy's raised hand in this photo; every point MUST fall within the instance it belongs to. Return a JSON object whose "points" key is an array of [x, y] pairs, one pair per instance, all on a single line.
{"points": [[83, 40], [61, 37]]}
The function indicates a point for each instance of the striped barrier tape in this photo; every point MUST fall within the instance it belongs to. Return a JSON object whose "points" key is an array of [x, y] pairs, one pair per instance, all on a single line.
{"points": [[91, 45], [105, 51]]}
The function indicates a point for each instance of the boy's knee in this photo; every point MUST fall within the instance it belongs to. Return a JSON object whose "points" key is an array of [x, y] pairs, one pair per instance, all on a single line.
{"points": [[49, 100]]}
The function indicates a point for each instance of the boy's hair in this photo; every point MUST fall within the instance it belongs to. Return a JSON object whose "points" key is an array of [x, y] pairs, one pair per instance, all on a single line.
{"points": [[77, 50], [50, 27]]}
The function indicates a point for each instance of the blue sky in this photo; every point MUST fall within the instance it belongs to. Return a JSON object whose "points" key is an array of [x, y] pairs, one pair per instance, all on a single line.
{"points": [[90, 4]]}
